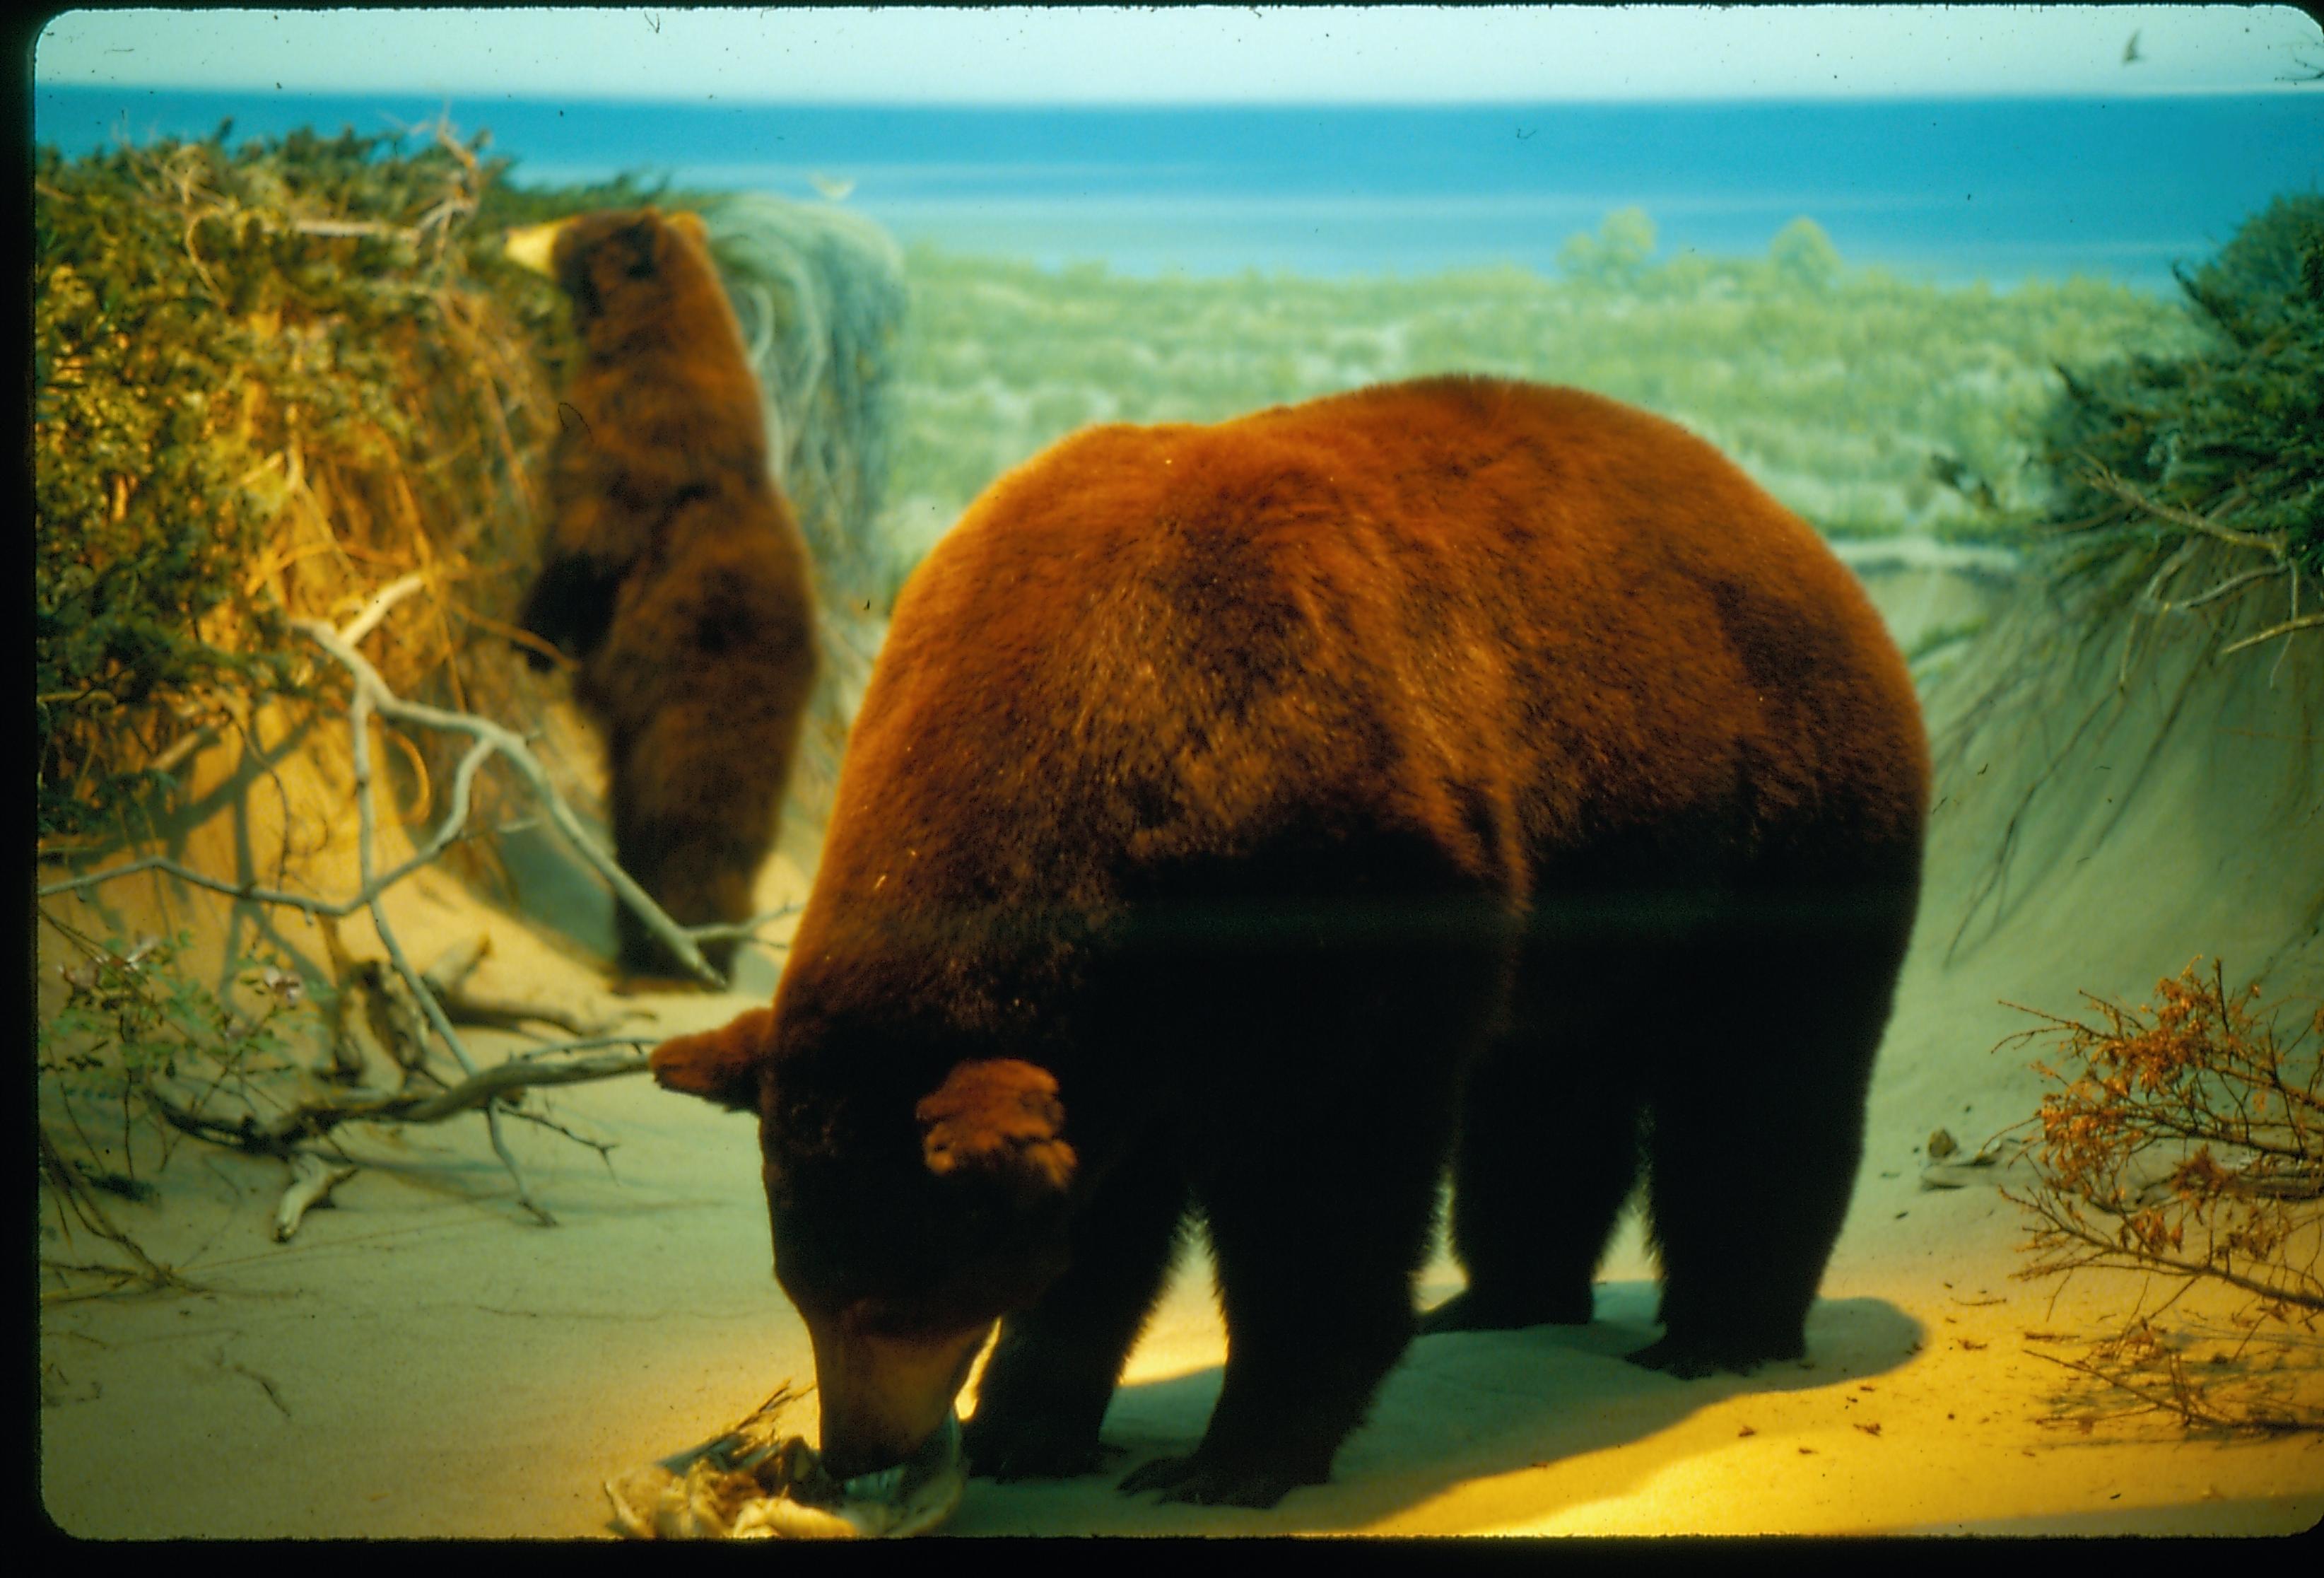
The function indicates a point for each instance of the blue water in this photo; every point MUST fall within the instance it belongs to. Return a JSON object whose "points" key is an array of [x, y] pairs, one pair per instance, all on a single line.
{"points": [[1953, 191]]}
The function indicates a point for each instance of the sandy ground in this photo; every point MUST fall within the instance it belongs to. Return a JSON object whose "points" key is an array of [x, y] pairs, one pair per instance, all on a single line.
{"points": [[422, 1360]]}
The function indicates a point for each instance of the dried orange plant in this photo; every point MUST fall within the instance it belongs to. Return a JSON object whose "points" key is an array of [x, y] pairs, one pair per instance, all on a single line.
{"points": [[2187, 1140]]}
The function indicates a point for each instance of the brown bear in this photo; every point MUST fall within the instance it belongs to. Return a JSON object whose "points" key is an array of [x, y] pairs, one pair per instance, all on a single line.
{"points": [[671, 569], [1249, 823]]}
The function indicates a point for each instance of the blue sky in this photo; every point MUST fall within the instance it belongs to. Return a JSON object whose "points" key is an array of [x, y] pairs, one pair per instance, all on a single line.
{"points": [[1377, 54]]}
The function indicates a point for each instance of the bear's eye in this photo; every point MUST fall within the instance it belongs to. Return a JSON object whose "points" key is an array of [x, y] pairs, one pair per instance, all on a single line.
{"points": [[641, 247], [891, 1317]]}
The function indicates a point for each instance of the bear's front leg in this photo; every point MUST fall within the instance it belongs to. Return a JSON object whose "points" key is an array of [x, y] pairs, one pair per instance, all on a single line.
{"points": [[1037, 1410], [1286, 1406], [1046, 1388], [1315, 1278], [570, 606]]}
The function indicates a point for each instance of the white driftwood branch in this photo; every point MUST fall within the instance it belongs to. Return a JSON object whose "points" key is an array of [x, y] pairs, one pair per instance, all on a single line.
{"points": [[372, 694], [281, 1134], [369, 689], [742, 930], [437, 1000], [517, 1075], [455, 964], [312, 1179]]}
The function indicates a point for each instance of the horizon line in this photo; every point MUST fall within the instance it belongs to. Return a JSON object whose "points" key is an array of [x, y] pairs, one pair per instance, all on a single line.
{"points": [[2286, 89]]}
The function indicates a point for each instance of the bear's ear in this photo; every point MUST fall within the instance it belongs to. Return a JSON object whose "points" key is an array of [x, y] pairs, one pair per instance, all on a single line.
{"points": [[719, 1065], [998, 1118]]}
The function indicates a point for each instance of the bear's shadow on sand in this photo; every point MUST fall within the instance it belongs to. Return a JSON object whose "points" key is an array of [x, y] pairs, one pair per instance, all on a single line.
{"points": [[1460, 1406]]}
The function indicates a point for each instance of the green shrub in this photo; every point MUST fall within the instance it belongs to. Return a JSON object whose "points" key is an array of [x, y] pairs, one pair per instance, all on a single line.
{"points": [[2234, 431], [264, 380]]}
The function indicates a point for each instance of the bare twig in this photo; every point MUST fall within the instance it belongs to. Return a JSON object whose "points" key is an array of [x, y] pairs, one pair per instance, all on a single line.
{"points": [[2231, 585], [2181, 1141], [2305, 621], [2106, 481], [743, 930], [2105, 1254], [2198, 529]]}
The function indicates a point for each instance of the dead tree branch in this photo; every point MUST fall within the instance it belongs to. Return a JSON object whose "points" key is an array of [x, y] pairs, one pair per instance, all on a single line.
{"points": [[282, 1134], [373, 696], [435, 997]]}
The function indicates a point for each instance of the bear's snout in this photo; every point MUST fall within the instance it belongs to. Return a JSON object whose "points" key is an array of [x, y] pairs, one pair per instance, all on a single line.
{"points": [[883, 1395]]}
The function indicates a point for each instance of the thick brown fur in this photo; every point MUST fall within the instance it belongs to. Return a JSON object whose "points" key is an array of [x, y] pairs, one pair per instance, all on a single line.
{"points": [[673, 570], [1458, 773]]}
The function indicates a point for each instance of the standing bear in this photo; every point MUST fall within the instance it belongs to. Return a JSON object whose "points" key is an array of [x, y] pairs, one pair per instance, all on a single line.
{"points": [[671, 569], [1251, 822]]}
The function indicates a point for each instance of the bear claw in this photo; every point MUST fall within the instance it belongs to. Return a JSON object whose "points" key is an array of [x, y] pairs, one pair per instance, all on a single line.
{"points": [[1191, 1480], [997, 1452], [1042, 1465], [1694, 1360]]}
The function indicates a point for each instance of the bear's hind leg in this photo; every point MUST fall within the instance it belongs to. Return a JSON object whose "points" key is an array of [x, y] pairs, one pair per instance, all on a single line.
{"points": [[1045, 1389], [694, 816], [1546, 1157], [697, 874], [1754, 1138]]}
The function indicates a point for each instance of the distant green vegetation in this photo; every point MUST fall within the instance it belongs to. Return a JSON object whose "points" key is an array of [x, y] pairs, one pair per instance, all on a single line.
{"points": [[1869, 403]]}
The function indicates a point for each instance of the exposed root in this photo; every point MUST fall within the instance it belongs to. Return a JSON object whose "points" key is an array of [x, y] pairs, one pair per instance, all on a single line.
{"points": [[312, 1179], [144, 1273]]}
